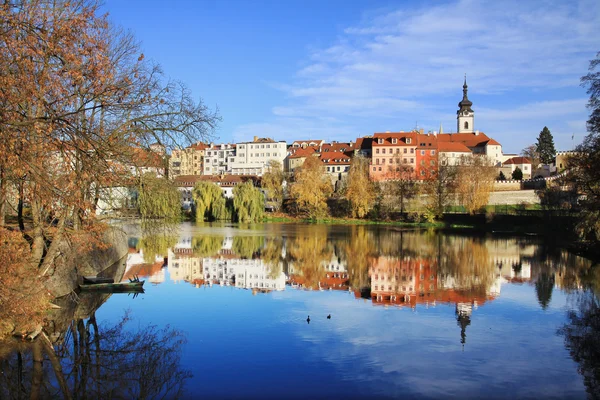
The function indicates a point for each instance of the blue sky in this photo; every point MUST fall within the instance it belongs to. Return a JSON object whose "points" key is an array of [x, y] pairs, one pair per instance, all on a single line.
{"points": [[337, 70]]}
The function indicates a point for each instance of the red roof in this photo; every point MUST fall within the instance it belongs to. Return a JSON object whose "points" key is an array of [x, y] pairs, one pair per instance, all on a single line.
{"points": [[517, 160], [453, 146], [468, 139], [302, 153], [225, 180], [401, 139], [199, 146]]}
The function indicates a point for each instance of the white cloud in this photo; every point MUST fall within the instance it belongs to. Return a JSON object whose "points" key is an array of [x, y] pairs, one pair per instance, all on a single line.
{"points": [[401, 66]]}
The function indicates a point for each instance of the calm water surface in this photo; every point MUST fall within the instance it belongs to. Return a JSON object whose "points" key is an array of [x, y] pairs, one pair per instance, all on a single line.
{"points": [[413, 314]]}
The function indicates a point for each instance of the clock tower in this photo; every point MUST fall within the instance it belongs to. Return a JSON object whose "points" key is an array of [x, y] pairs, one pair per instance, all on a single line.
{"points": [[465, 115]]}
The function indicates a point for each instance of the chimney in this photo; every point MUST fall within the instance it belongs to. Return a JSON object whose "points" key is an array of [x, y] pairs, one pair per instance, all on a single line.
{"points": [[476, 133], [256, 138], [421, 131]]}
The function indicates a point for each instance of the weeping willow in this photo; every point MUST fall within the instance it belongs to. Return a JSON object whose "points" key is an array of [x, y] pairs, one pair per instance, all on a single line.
{"points": [[206, 246], [158, 199], [246, 246], [210, 203], [248, 203], [157, 238]]}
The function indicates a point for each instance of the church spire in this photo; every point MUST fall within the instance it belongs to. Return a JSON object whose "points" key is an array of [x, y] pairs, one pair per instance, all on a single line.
{"points": [[465, 115]]}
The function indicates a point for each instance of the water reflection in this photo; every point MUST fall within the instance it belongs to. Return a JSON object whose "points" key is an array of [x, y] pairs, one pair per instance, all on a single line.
{"points": [[77, 357]]}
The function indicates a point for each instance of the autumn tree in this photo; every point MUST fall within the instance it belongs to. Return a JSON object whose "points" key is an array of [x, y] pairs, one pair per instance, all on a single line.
{"points": [[583, 164], [248, 203], [78, 97], [475, 181], [531, 153], [440, 188], [311, 188], [401, 184], [209, 202], [272, 183], [545, 147], [359, 190]]}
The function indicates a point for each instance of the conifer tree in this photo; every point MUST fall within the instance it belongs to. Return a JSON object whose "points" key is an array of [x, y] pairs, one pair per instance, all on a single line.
{"points": [[545, 146]]}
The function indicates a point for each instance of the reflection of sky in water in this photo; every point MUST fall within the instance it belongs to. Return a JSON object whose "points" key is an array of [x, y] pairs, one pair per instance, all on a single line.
{"points": [[240, 345]]}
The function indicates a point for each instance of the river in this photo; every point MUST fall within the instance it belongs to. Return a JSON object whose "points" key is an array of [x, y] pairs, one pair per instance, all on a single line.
{"points": [[317, 311]]}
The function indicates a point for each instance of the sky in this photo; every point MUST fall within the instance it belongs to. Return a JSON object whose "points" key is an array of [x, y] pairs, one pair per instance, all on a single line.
{"points": [[338, 70]]}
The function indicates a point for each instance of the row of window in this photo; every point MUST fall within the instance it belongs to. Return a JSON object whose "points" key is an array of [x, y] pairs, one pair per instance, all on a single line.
{"points": [[257, 146], [391, 151], [404, 161], [333, 169], [394, 140]]}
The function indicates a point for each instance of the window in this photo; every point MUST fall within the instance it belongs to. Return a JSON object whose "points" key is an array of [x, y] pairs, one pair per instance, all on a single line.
{"points": [[382, 151], [404, 160], [422, 152], [379, 168], [374, 168], [377, 161], [412, 160], [466, 125], [380, 141], [433, 152], [394, 140], [383, 160], [338, 168], [397, 151], [377, 151], [422, 162], [405, 150], [432, 162], [408, 140]]}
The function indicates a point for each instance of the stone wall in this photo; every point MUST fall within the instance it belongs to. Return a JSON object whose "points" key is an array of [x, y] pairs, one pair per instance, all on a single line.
{"points": [[514, 197]]}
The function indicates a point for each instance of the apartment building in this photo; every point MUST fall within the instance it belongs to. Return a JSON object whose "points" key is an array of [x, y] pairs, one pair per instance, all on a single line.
{"points": [[218, 159], [188, 161], [251, 158]]}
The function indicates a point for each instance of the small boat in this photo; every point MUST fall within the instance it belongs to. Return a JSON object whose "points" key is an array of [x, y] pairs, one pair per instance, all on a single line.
{"points": [[136, 286], [91, 280]]}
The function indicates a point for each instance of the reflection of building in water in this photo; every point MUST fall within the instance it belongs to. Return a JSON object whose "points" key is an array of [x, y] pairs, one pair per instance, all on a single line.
{"points": [[334, 275], [225, 268], [136, 266]]}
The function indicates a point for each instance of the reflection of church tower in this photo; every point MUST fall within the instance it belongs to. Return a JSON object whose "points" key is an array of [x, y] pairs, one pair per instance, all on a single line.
{"points": [[465, 115], [463, 318]]}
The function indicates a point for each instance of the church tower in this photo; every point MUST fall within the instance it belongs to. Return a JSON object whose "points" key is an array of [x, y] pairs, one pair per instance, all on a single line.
{"points": [[465, 116]]}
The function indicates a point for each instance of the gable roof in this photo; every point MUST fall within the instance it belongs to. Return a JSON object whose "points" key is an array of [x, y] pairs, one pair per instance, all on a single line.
{"points": [[453, 147], [402, 139], [517, 160], [468, 139]]}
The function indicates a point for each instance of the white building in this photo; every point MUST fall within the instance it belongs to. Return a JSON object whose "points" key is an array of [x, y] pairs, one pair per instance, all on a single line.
{"points": [[218, 159], [252, 157]]}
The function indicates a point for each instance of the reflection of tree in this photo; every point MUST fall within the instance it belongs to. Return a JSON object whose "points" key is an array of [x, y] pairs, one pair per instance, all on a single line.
{"points": [[246, 246], [543, 288], [308, 254], [206, 246], [582, 339], [92, 362], [157, 237], [467, 263], [271, 255], [358, 250]]}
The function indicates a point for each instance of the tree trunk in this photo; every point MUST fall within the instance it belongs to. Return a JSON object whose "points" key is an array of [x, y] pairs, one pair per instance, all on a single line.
{"points": [[38, 370], [60, 377], [2, 197]]}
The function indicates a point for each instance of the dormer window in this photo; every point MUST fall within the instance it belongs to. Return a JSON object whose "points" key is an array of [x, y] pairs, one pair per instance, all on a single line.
{"points": [[380, 141], [394, 140], [407, 140]]}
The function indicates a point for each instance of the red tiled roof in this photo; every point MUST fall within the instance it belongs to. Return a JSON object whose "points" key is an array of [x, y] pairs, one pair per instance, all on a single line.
{"points": [[453, 146], [302, 153], [517, 160], [199, 146], [468, 139], [400, 136], [225, 180]]}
